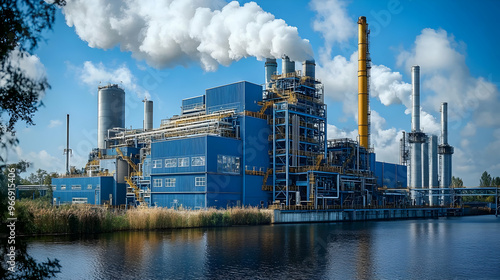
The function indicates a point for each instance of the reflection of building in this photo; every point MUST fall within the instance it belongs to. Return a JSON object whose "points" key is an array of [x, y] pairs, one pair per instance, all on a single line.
{"points": [[238, 144]]}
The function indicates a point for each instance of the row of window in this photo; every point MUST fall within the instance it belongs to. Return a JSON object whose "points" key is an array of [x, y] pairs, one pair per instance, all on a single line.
{"points": [[179, 162], [228, 164], [170, 182], [79, 187]]}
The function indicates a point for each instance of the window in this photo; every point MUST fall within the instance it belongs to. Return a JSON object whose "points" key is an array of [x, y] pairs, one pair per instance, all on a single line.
{"points": [[79, 200], [157, 163], [157, 183], [198, 161], [89, 186], [170, 182], [183, 162], [228, 164], [63, 187], [171, 162], [200, 181], [76, 187]]}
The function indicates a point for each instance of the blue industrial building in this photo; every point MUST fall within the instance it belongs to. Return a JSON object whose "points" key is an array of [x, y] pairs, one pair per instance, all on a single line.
{"points": [[238, 144]]}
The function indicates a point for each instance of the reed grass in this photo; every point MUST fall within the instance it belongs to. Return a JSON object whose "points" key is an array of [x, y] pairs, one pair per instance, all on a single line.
{"points": [[36, 217]]}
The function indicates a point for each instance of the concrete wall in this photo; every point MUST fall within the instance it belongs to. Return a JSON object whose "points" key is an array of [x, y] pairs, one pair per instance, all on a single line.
{"points": [[313, 216]]}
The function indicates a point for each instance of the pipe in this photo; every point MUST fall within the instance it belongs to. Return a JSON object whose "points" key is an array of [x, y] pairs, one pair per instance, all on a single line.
{"points": [[67, 151], [363, 83]]}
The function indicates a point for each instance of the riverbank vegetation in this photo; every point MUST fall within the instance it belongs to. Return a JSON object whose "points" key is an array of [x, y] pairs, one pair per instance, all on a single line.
{"points": [[40, 217]]}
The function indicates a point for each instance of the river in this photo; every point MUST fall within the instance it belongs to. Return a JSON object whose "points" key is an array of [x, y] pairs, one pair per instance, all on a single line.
{"points": [[444, 248]]}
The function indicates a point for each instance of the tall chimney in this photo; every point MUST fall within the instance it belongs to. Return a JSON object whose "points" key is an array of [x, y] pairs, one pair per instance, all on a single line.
{"points": [[416, 138], [270, 69], [67, 151], [148, 114], [287, 66], [363, 63], [415, 90], [445, 150]]}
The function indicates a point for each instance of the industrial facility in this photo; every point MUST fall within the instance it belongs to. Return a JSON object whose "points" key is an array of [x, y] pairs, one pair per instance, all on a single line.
{"points": [[245, 144]]}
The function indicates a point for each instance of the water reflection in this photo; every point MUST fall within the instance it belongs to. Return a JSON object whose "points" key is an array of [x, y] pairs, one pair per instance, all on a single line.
{"points": [[365, 250]]}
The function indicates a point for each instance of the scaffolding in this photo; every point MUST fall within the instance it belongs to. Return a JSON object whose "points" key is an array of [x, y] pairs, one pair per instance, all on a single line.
{"points": [[298, 139]]}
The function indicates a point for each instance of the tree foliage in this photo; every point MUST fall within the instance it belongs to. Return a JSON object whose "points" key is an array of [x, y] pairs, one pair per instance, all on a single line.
{"points": [[22, 24], [485, 180], [21, 28], [456, 182]]}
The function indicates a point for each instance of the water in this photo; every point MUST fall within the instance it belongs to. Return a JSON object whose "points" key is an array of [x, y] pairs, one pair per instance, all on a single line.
{"points": [[445, 248]]}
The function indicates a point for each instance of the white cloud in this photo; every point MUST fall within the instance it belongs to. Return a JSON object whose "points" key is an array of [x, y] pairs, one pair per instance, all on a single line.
{"points": [[178, 32], [29, 64], [54, 123], [45, 160], [94, 74], [332, 22], [448, 77]]}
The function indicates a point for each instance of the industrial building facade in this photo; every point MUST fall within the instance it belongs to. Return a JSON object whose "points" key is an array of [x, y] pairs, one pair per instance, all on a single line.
{"points": [[239, 144]]}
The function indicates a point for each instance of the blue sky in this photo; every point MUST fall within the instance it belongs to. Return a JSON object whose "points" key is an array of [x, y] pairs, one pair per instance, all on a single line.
{"points": [[453, 41]]}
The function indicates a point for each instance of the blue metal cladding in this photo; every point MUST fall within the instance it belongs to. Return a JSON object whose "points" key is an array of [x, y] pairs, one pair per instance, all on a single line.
{"points": [[239, 96], [391, 175], [88, 189], [193, 101], [254, 195], [175, 200], [223, 200], [219, 184], [178, 151], [221, 146], [180, 183], [255, 134]]}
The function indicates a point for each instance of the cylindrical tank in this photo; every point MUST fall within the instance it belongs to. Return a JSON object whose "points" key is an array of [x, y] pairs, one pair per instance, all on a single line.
{"points": [[308, 68], [271, 67], [415, 84], [287, 66], [148, 114], [110, 112]]}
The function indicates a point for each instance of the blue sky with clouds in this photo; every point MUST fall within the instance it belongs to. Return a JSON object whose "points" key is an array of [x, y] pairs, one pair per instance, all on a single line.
{"points": [[170, 50]]}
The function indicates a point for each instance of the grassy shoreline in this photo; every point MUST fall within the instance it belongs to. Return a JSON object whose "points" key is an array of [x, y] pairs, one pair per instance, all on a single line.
{"points": [[41, 218]]}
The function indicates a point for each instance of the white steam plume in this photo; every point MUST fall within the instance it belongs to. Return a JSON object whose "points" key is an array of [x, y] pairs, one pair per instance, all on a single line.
{"points": [[178, 32]]}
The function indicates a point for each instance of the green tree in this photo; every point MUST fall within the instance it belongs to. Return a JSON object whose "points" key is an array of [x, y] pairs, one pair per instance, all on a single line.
{"points": [[456, 182], [485, 180], [495, 181]]}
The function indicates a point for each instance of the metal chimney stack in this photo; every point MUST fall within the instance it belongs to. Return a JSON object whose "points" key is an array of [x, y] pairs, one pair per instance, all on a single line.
{"points": [[416, 137], [445, 151], [433, 167], [363, 68], [287, 66], [148, 114], [67, 151], [270, 69]]}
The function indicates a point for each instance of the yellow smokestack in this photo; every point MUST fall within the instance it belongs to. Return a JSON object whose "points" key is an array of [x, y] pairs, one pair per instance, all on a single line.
{"points": [[362, 83]]}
